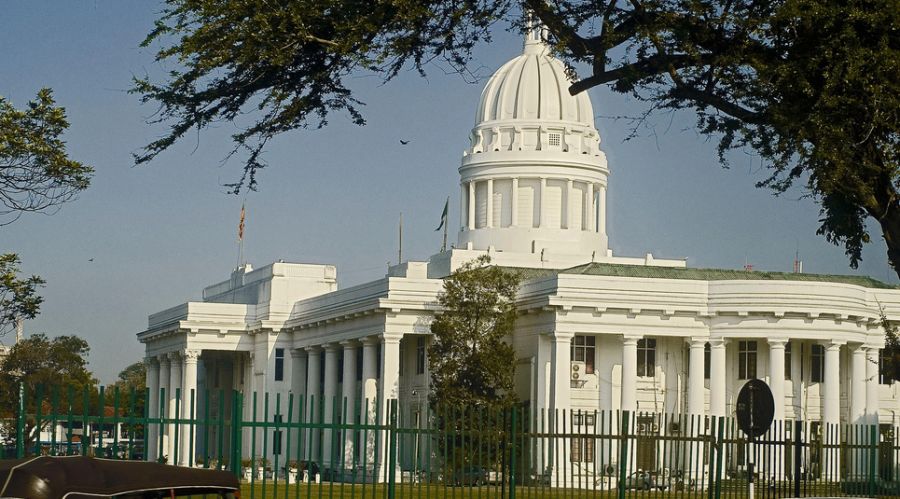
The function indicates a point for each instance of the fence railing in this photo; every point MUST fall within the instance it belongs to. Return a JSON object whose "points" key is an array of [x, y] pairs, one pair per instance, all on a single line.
{"points": [[281, 443]]}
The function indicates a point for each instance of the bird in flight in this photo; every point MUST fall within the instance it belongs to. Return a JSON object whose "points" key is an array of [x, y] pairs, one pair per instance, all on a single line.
{"points": [[90, 259], [403, 142]]}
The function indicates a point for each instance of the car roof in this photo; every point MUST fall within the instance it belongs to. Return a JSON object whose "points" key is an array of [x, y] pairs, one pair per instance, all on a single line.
{"points": [[74, 477]]}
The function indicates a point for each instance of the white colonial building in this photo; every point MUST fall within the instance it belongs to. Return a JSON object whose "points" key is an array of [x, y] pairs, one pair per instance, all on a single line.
{"points": [[644, 334]]}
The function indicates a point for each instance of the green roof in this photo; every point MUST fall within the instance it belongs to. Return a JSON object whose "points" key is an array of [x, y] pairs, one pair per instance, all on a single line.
{"points": [[618, 270]]}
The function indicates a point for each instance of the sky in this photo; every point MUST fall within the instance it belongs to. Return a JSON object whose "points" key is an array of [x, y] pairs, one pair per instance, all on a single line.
{"points": [[145, 238]]}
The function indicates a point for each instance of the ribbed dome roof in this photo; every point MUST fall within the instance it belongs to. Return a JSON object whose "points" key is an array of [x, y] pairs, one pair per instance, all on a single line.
{"points": [[533, 86]]}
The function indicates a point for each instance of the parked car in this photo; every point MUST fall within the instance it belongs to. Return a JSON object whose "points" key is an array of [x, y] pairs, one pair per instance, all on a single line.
{"points": [[470, 476], [644, 480], [80, 477]]}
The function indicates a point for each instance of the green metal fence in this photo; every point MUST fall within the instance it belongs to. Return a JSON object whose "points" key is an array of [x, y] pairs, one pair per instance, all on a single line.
{"points": [[300, 447]]}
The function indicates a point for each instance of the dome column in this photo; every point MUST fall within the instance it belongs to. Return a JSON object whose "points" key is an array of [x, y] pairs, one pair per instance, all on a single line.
{"points": [[471, 221], [590, 208], [489, 218], [543, 219], [601, 209], [570, 191], [463, 191], [514, 203]]}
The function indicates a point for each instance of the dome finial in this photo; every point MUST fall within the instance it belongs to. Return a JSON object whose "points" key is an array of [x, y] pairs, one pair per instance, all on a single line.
{"points": [[534, 34]]}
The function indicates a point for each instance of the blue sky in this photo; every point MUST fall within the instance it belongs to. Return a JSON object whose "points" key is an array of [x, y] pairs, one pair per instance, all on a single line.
{"points": [[159, 233]]}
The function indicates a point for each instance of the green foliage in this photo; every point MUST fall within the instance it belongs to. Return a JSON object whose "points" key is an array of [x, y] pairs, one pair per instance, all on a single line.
{"points": [[470, 360], [472, 365], [18, 295], [810, 86], [36, 173], [48, 367], [288, 61]]}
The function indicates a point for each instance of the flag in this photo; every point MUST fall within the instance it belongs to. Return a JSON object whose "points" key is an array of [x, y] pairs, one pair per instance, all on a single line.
{"points": [[241, 224], [444, 215]]}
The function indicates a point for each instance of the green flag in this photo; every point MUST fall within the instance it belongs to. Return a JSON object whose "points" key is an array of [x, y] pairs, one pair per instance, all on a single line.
{"points": [[444, 215]]}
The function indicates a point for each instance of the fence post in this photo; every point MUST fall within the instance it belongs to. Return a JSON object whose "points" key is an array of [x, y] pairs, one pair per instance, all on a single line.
{"points": [[623, 455], [798, 455], [720, 451], [237, 410], [392, 450], [873, 456], [20, 423], [512, 457]]}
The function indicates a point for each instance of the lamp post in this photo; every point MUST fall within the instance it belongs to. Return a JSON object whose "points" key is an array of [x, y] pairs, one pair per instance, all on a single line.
{"points": [[415, 393]]}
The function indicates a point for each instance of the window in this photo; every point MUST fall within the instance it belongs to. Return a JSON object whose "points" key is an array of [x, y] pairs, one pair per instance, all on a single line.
{"points": [[884, 372], [747, 360], [817, 364], [276, 437], [707, 360], [420, 355], [582, 450], [279, 364], [554, 139], [787, 361], [646, 361], [583, 350]]}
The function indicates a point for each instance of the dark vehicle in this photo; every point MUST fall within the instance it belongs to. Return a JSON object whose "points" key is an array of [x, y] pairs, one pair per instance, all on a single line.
{"points": [[643, 480], [78, 477], [471, 476]]}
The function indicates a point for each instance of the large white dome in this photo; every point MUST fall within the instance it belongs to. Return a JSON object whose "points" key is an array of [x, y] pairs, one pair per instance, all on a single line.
{"points": [[533, 178], [533, 86]]}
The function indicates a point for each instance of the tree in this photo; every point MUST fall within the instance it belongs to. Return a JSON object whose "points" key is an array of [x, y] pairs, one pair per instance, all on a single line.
{"points": [[48, 367], [469, 358], [808, 85], [472, 366], [18, 295], [36, 173]]}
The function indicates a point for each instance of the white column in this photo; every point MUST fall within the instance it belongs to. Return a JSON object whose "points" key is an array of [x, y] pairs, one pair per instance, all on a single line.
{"points": [[543, 206], [165, 377], [298, 390], [717, 377], [872, 396], [463, 203], [490, 203], [349, 399], [776, 374], [832, 397], [601, 209], [589, 208], [189, 441], [388, 390], [831, 409], [857, 384], [153, 407], [570, 196], [369, 395], [313, 399], [629, 372], [695, 376], [471, 205], [514, 202], [330, 401], [560, 397], [298, 381], [176, 397]]}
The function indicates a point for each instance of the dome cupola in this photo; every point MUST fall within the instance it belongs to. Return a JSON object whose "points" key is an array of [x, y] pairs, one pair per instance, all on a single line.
{"points": [[533, 177]]}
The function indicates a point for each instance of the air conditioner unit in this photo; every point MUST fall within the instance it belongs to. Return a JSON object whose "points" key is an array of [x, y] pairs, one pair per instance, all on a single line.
{"points": [[578, 369]]}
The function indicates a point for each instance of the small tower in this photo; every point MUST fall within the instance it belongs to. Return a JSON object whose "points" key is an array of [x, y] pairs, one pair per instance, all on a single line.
{"points": [[533, 178]]}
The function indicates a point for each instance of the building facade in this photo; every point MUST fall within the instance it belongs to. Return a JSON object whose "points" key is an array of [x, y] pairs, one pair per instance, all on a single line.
{"points": [[595, 331]]}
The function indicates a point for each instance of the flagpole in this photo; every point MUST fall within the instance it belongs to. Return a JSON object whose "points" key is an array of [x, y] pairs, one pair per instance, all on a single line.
{"points": [[444, 244], [241, 236]]}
